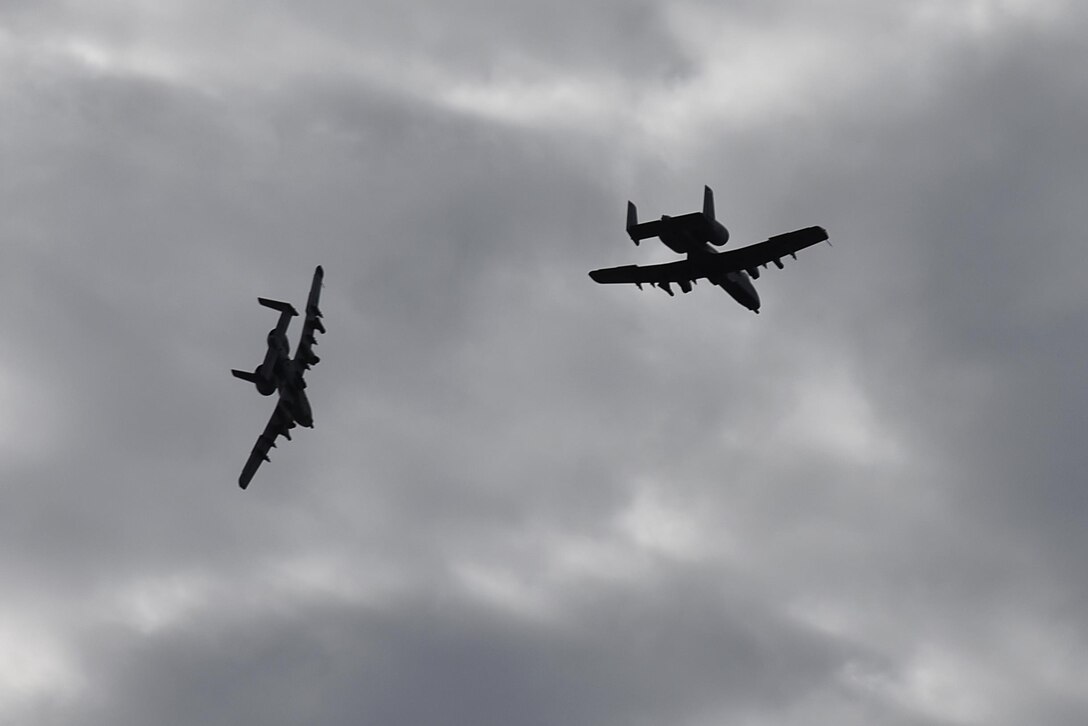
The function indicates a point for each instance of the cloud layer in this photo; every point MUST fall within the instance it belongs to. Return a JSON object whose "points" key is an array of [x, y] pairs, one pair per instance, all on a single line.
{"points": [[530, 499]]}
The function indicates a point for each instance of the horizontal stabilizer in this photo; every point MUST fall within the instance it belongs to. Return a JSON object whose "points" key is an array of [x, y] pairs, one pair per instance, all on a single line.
{"points": [[278, 305], [244, 375]]}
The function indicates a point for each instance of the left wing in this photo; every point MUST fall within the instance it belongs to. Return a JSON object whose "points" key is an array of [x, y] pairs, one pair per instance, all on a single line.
{"points": [[278, 425], [304, 354]]}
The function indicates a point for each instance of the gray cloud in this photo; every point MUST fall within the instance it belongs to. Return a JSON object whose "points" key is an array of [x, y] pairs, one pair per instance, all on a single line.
{"points": [[446, 659], [527, 497]]}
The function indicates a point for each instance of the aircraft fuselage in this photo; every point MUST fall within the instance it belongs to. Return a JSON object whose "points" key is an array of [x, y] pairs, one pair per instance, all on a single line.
{"points": [[740, 288], [291, 387], [296, 404], [737, 283], [279, 374]]}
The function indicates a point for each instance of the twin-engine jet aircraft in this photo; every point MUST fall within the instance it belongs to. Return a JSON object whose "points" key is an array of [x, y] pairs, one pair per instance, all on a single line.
{"points": [[280, 372], [693, 234], [690, 234]]}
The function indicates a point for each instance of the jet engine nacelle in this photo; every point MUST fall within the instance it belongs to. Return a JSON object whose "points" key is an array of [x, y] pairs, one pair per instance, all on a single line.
{"points": [[264, 384], [721, 234]]}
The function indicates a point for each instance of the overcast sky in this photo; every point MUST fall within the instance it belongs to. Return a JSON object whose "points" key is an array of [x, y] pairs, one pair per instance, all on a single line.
{"points": [[530, 499]]}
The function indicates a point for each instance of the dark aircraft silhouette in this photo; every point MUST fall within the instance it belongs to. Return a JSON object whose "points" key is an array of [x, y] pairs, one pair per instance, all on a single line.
{"points": [[280, 372], [692, 234]]}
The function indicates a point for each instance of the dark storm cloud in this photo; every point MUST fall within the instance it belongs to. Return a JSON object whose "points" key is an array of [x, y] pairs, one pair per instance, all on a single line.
{"points": [[961, 314], [980, 315], [529, 498], [424, 659]]}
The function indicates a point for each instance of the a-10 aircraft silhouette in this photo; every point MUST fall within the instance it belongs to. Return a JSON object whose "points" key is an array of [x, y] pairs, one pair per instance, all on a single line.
{"points": [[693, 234], [689, 234], [281, 373]]}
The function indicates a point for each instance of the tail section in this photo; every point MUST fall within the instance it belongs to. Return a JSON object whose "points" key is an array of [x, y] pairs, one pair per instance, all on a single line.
{"points": [[277, 305], [265, 385], [717, 234], [286, 311], [632, 221]]}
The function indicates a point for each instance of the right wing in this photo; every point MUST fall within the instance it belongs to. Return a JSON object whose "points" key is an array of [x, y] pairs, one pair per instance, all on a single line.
{"points": [[771, 250], [304, 354], [278, 425]]}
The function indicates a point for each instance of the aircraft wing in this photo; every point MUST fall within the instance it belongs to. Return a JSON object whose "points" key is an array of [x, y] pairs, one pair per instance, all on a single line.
{"points": [[639, 274], [278, 425], [763, 253], [747, 258], [695, 222], [304, 354]]}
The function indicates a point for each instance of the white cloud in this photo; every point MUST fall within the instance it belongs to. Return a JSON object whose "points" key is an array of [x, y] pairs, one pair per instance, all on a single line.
{"points": [[663, 527], [34, 666], [153, 604], [935, 683], [513, 592], [832, 413], [557, 102]]}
